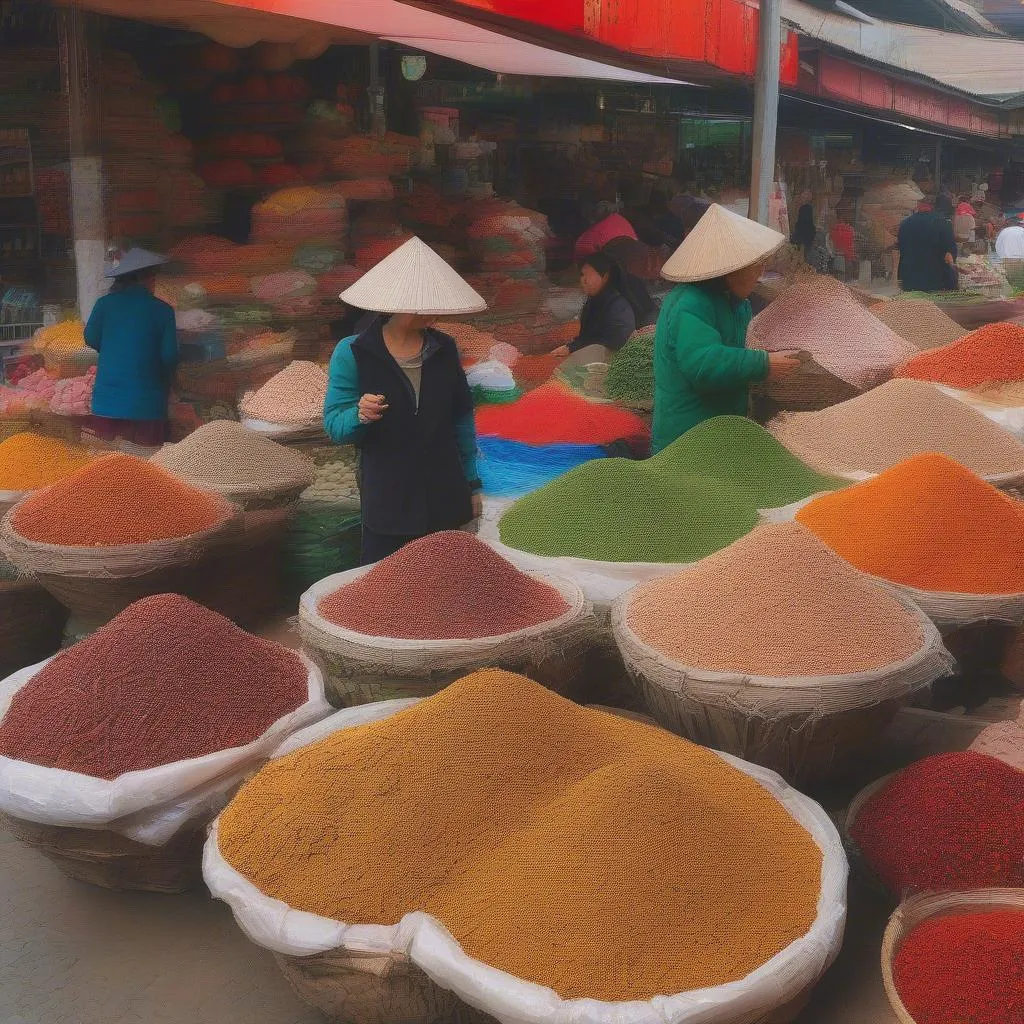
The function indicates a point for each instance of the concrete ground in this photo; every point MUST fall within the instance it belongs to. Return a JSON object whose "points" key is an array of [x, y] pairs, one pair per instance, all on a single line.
{"points": [[74, 954]]}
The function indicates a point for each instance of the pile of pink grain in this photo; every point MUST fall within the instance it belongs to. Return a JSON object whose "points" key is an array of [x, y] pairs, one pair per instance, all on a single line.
{"points": [[295, 396]]}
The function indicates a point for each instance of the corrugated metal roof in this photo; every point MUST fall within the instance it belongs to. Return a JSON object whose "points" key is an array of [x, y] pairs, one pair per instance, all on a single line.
{"points": [[986, 68]]}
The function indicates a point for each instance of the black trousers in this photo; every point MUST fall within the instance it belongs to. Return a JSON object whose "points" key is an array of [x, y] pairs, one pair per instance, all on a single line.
{"points": [[376, 546]]}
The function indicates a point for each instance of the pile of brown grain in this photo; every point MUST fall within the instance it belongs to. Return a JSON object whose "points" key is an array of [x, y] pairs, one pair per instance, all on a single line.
{"points": [[293, 396], [919, 321], [223, 456], [896, 421], [778, 603]]}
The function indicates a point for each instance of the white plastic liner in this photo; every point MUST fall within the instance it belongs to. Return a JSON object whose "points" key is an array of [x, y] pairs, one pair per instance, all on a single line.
{"points": [[277, 431], [149, 806], [1010, 418], [274, 925]]}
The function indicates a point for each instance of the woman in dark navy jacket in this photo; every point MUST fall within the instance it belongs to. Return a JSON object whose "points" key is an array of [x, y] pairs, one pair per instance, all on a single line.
{"points": [[398, 392]]}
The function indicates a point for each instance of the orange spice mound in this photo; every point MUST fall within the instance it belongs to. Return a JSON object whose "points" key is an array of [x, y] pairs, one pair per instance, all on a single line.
{"points": [[29, 461], [928, 523], [555, 415], [990, 355], [117, 499]]}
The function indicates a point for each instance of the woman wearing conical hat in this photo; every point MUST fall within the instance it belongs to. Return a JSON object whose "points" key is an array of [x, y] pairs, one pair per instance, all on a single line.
{"points": [[702, 367], [135, 336], [398, 392]]}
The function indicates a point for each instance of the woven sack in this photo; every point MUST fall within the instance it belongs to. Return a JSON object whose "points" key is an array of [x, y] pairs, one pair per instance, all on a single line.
{"points": [[947, 610], [345, 970], [360, 669], [31, 622], [143, 830], [803, 727], [96, 583], [919, 908]]}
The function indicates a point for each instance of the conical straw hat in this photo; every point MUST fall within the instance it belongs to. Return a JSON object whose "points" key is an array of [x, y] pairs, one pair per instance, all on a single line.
{"points": [[721, 242], [414, 279], [133, 261]]}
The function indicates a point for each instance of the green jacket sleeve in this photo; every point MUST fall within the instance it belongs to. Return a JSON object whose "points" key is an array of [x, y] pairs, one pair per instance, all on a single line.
{"points": [[707, 362], [341, 406], [169, 340]]}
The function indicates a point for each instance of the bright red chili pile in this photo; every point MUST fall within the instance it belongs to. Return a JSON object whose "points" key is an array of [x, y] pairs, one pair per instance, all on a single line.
{"points": [[964, 969], [555, 415], [950, 821], [448, 586], [164, 681]]}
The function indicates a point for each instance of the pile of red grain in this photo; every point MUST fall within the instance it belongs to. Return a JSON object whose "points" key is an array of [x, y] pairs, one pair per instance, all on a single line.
{"points": [[448, 586], [164, 681], [553, 414], [992, 354], [952, 821], [118, 499], [964, 968]]}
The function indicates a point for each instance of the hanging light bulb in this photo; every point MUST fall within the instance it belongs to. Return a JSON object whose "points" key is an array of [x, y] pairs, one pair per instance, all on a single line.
{"points": [[600, 101]]}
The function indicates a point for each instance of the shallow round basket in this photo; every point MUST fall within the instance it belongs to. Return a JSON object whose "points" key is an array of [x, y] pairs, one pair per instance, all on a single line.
{"points": [[97, 583], [31, 623], [112, 861], [804, 728], [374, 974], [361, 669], [918, 909]]}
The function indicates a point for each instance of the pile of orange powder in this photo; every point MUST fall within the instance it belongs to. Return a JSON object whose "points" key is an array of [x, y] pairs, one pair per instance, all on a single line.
{"points": [[595, 855], [992, 354], [29, 461], [117, 499], [927, 523]]}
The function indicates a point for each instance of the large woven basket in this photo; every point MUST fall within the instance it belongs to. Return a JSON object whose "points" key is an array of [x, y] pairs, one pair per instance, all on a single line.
{"points": [[349, 988], [918, 909], [97, 583], [360, 669], [803, 728], [31, 622], [112, 861]]}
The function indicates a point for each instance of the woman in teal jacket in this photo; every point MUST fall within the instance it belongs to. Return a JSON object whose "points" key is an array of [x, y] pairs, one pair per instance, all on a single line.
{"points": [[702, 367], [135, 336]]}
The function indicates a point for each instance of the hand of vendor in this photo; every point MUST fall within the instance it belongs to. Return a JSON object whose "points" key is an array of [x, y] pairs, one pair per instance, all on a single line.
{"points": [[561, 352], [371, 408], [782, 365]]}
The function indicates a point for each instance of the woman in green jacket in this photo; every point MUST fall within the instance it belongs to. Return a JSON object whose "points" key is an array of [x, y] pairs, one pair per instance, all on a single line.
{"points": [[702, 367]]}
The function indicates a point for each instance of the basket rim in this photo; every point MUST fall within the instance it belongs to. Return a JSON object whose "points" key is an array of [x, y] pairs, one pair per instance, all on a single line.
{"points": [[930, 639], [571, 591], [921, 907]]}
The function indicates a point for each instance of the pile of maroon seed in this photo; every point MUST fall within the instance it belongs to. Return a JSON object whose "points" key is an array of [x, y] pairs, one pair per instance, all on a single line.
{"points": [[447, 586], [164, 681]]}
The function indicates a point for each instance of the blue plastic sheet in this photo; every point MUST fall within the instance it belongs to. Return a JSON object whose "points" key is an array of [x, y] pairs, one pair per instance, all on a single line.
{"points": [[510, 469]]}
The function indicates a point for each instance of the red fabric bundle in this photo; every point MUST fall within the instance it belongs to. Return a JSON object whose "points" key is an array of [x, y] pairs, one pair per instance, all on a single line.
{"points": [[555, 415]]}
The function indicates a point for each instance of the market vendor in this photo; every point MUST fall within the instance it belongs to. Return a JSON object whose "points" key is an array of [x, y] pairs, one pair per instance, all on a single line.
{"points": [[928, 249], [701, 365], [616, 305], [135, 336], [398, 392]]}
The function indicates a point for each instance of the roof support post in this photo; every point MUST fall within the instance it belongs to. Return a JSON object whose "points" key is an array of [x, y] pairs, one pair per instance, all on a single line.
{"points": [[766, 108]]}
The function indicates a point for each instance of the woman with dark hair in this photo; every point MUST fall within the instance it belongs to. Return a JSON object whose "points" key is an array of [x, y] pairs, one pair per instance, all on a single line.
{"points": [[702, 367], [135, 336], [617, 304]]}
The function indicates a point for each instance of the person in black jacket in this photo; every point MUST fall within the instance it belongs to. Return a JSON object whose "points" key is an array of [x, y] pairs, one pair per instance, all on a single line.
{"points": [[617, 304], [928, 249], [398, 392]]}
